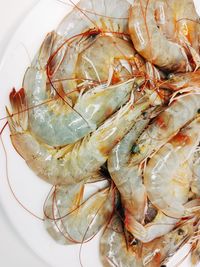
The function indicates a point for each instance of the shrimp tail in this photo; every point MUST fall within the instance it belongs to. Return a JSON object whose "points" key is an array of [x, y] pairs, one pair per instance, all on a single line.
{"points": [[18, 118]]}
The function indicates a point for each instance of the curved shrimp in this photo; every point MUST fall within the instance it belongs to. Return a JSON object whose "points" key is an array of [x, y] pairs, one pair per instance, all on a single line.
{"points": [[195, 184], [159, 173], [128, 178], [114, 250], [157, 252], [151, 43], [187, 28], [73, 163], [115, 58], [56, 123], [166, 125], [69, 219], [110, 15], [161, 223]]}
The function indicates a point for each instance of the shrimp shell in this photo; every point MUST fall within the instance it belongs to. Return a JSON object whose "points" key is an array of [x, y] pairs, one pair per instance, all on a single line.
{"points": [[113, 247]]}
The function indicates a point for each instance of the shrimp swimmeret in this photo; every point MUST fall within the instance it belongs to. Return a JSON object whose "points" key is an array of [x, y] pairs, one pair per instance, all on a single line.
{"points": [[73, 163]]}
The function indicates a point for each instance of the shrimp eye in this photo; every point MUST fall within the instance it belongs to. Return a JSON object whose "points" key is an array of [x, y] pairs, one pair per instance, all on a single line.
{"points": [[134, 242], [163, 266], [170, 76], [135, 149], [180, 231], [198, 111]]}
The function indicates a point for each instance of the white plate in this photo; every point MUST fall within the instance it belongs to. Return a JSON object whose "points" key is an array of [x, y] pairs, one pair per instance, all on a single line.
{"points": [[29, 189]]}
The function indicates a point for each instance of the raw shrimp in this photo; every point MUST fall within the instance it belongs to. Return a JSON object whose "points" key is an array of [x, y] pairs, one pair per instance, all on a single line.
{"points": [[73, 163], [160, 249], [128, 178], [151, 43], [163, 224], [109, 56], [109, 15], [187, 27], [54, 122], [195, 185], [166, 125], [69, 219], [114, 250], [160, 178]]}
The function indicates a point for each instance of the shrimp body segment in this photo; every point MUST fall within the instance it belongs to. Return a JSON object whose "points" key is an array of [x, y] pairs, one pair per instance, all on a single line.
{"points": [[160, 176], [195, 185], [73, 163], [110, 15], [113, 247]]}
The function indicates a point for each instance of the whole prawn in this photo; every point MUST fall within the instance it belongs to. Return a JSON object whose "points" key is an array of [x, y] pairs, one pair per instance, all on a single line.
{"points": [[160, 170], [72, 163], [70, 220], [162, 224], [165, 48], [166, 125], [57, 123]]}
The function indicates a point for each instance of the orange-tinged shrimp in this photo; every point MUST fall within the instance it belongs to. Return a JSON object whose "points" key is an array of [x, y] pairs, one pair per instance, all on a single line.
{"points": [[151, 43], [166, 125], [160, 172], [114, 250]]}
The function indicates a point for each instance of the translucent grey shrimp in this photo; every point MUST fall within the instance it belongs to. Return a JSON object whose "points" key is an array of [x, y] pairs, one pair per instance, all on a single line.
{"points": [[70, 220], [109, 15], [166, 125], [128, 178], [160, 175], [114, 250], [55, 122], [73, 163]]}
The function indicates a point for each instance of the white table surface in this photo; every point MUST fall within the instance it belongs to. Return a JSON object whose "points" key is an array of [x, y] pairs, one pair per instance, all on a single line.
{"points": [[13, 250]]}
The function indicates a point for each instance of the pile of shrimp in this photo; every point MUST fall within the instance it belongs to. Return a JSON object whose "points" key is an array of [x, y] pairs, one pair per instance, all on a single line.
{"points": [[113, 97]]}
